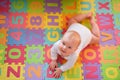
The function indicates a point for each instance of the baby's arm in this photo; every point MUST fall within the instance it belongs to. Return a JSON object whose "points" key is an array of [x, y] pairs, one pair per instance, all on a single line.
{"points": [[53, 53], [69, 64]]}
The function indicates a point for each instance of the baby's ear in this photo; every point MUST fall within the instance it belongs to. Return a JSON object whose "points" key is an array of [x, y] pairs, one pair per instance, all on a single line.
{"points": [[77, 48]]}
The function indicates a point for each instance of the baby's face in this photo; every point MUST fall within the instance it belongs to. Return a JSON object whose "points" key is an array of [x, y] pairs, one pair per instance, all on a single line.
{"points": [[67, 46]]}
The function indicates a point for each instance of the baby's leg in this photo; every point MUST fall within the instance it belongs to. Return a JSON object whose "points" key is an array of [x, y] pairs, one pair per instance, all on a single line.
{"points": [[95, 28], [78, 18], [95, 31]]}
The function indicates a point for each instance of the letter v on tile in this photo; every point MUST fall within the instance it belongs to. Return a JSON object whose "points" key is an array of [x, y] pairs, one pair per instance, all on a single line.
{"points": [[107, 36]]}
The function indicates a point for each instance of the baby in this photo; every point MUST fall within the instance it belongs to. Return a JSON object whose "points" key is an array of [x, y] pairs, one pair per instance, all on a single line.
{"points": [[75, 39]]}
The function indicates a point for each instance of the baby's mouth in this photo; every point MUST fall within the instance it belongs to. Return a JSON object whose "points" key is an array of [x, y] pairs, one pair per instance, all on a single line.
{"points": [[63, 51]]}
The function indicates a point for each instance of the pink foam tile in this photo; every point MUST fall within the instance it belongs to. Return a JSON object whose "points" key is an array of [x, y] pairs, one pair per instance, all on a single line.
{"points": [[117, 36]]}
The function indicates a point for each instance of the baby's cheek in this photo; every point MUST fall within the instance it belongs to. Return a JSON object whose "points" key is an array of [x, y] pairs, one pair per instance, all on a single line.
{"points": [[60, 46], [71, 51]]}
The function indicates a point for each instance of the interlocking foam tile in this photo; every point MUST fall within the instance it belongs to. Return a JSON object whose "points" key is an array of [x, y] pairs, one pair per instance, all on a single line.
{"points": [[3, 36], [4, 6], [105, 21], [69, 6], [34, 54], [36, 6], [48, 73], [53, 21], [25, 36], [52, 36], [35, 21], [104, 6], [34, 37], [111, 71], [2, 53], [17, 20], [16, 36], [117, 36], [117, 21], [4, 18], [47, 53], [92, 71], [18, 6], [90, 54], [2, 71], [86, 22], [75, 73], [34, 72], [85, 6], [115, 6], [53, 6], [15, 54], [14, 71], [110, 54], [107, 37], [65, 18]]}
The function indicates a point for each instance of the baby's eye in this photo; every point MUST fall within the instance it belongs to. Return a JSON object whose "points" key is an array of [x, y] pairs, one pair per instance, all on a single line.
{"points": [[63, 43], [69, 47]]}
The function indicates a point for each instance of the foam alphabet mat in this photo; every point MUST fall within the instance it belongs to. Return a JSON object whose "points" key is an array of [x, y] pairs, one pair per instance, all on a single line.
{"points": [[29, 28]]}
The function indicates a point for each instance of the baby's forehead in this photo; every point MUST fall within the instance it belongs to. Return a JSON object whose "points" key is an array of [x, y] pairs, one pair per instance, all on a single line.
{"points": [[70, 36], [69, 33]]}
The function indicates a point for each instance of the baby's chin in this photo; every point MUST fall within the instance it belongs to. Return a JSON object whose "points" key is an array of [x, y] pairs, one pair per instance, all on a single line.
{"points": [[63, 54]]}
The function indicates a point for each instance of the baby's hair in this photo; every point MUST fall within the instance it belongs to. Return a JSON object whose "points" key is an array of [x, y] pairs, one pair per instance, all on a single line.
{"points": [[74, 36]]}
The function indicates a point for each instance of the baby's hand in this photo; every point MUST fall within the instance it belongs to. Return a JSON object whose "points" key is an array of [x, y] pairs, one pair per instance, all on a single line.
{"points": [[53, 65], [57, 73]]}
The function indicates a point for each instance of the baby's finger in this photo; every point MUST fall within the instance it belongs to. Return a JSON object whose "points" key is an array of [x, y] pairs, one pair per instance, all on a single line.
{"points": [[56, 66], [51, 68], [56, 76]]}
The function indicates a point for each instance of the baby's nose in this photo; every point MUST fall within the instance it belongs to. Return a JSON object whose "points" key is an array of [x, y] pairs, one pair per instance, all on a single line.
{"points": [[64, 47]]}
